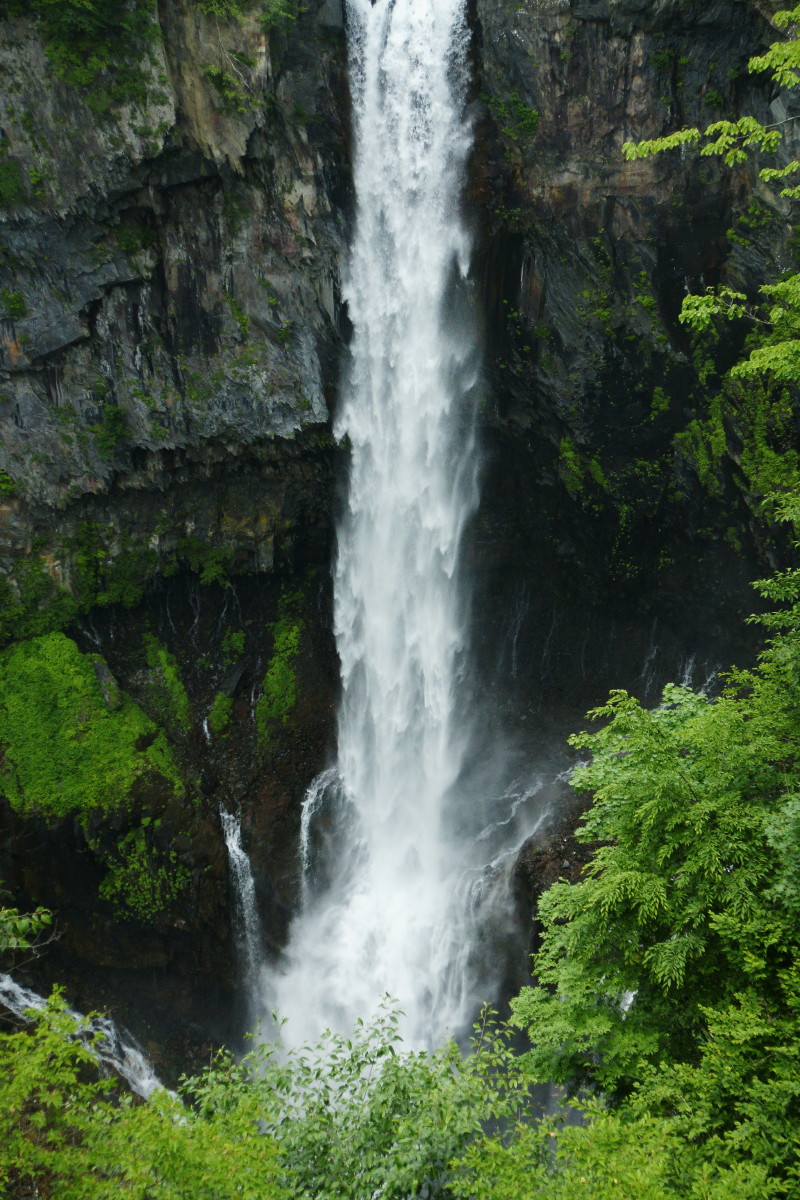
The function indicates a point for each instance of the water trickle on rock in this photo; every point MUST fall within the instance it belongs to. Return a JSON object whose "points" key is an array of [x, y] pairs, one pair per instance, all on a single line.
{"points": [[115, 1050], [248, 922], [376, 922]]}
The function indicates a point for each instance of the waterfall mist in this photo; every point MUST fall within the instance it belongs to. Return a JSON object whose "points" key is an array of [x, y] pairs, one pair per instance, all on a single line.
{"points": [[381, 891]]}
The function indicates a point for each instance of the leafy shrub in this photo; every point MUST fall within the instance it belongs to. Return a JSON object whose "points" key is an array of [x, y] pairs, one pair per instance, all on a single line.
{"points": [[221, 712], [346, 1119], [142, 880], [111, 430]]}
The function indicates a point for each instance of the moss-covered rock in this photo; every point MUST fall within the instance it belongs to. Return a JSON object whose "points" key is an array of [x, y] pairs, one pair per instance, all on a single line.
{"points": [[66, 748]]}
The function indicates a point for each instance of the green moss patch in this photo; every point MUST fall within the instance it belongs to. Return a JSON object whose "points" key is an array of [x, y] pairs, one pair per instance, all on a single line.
{"points": [[166, 693], [221, 712], [101, 47], [280, 681], [64, 750]]}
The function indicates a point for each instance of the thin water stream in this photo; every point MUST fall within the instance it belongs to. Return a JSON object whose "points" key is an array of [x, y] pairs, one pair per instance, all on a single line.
{"points": [[115, 1049]]}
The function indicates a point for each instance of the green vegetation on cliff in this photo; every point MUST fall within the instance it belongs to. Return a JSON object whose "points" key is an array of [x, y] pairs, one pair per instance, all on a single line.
{"points": [[220, 715], [279, 694], [143, 880], [66, 747], [747, 419], [103, 572], [103, 48], [98, 46], [166, 693]]}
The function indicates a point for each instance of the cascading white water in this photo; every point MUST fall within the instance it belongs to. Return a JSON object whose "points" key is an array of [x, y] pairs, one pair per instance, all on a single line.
{"points": [[376, 925], [114, 1050], [248, 922]]}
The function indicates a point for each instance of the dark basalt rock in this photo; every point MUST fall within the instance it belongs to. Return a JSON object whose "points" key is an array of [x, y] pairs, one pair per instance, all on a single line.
{"points": [[590, 508]]}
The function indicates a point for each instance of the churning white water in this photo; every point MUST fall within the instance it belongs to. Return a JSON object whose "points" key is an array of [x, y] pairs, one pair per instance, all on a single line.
{"points": [[377, 919]]}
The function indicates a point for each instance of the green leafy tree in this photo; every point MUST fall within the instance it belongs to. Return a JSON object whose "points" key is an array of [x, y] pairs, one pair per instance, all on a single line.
{"points": [[346, 1118], [752, 418], [21, 931]]}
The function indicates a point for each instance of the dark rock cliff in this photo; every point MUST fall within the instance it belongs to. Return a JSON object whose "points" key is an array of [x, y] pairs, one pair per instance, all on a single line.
{"points": [[595, 470], [168, 358]]}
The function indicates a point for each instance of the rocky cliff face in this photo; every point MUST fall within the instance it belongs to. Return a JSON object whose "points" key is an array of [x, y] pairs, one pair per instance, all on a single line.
{"points": [[169, 285], [170, 339], [598, 468], [168, 356]]}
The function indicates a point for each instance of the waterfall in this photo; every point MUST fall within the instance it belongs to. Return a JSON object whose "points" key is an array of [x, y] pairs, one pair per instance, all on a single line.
{"points": [[115, 1050], [374, 922], [248, 923]]}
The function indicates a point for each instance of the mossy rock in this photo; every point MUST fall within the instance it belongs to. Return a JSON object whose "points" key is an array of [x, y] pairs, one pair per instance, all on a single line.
{"points": [[68, 746]]}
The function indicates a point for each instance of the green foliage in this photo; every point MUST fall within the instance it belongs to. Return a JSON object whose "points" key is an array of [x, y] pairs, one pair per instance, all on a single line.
{"points": [[659, 403], [63, 749], [233, 644], [12, 190], [166, 694], [143, 880], [234, 95], [110, 431], [274, 14], [517, 120], [240, 317], [13, 304], [280, 681], [211, 563], [279, 15], [221, 712], [346, 1119], [672, 907], [7, 485], [571, 465], [19, 931], [101, 47]]}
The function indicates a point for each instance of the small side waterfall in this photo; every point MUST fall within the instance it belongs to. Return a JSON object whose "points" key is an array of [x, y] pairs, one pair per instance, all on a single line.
{"points": [[248, 922], [116, 1050], [312, 802]]}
